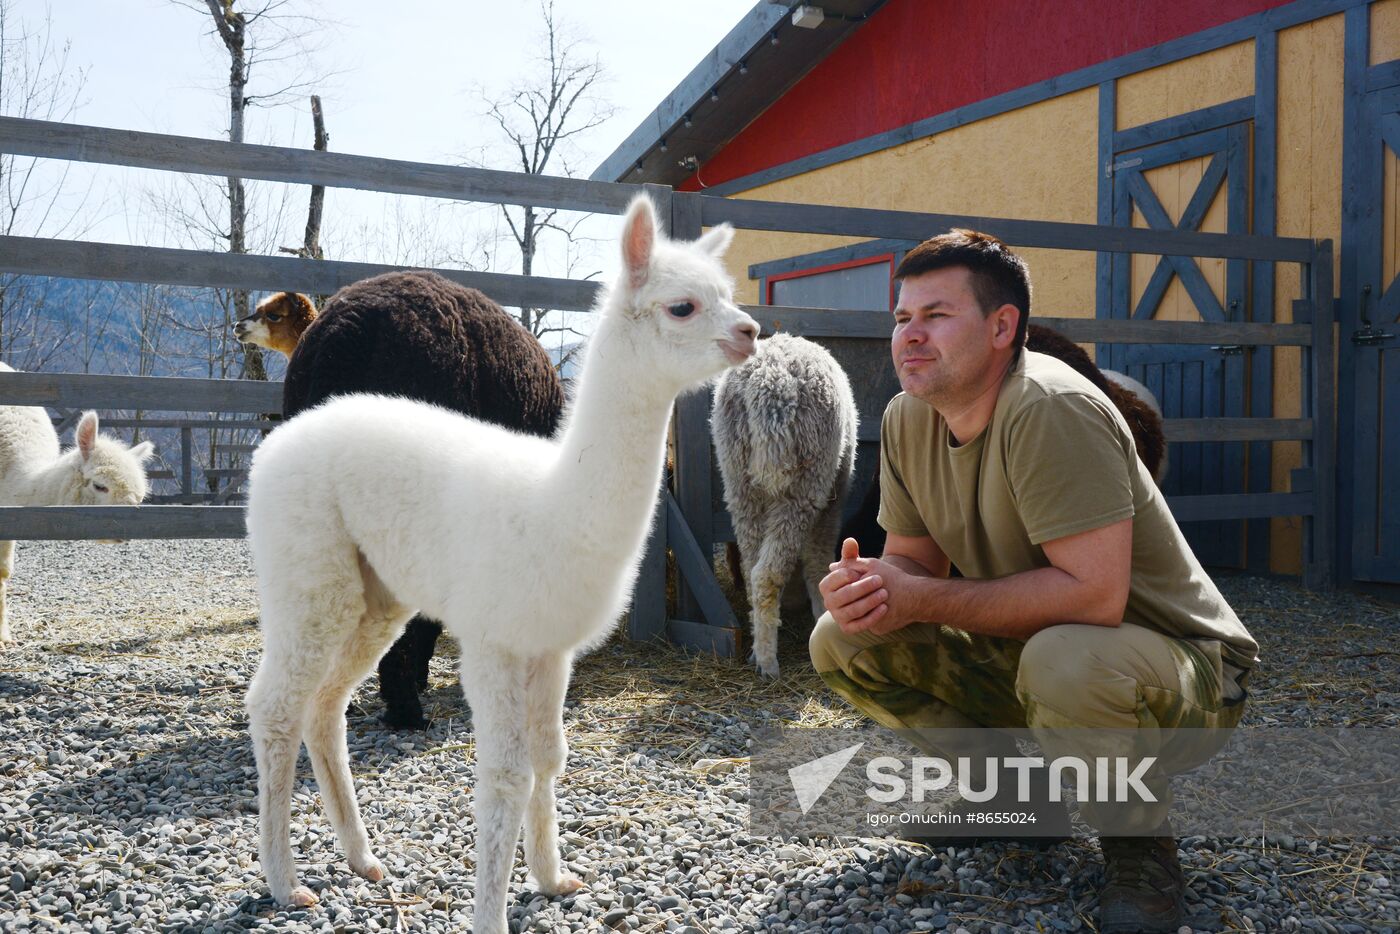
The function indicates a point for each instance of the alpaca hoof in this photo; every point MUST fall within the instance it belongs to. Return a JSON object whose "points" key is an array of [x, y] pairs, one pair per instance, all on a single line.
{"points": [[372, 870], [767, 667], [301, 897], [398, 720], [567, 885]]}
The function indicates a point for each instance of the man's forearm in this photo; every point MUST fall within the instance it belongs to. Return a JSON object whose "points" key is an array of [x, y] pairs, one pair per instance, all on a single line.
{"points": [[1015, 607]]}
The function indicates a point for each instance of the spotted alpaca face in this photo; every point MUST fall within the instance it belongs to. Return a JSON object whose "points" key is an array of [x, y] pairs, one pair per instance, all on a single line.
{"points": [[277, 323], [109, 472], [682, 295]]}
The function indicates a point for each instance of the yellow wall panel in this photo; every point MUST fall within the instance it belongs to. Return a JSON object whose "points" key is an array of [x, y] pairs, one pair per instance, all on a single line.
{"points": [[985, 168], [1309, 205], [1385, 31], [1191, 84]]}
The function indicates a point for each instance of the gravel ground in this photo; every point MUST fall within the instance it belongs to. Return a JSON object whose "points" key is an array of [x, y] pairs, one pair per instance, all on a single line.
{"points": [[127, 783]]}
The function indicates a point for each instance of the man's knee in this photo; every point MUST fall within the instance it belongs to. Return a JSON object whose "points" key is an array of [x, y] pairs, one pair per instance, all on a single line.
{"points": [[821, 645], [1062, 668]]}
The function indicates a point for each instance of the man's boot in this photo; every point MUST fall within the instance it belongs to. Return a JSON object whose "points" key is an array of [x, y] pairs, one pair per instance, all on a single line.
{"points": [[1144, 891]]}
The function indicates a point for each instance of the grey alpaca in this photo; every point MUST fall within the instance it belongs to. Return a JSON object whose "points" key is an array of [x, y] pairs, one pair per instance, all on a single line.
{"points": [[784, 426]]}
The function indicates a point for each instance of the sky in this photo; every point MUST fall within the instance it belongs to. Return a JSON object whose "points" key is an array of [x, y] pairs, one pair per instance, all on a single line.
{"points": [[411, 84]]}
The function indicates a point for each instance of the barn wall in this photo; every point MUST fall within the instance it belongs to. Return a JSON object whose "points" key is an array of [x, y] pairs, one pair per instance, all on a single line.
{"points": [[1036, 163]]}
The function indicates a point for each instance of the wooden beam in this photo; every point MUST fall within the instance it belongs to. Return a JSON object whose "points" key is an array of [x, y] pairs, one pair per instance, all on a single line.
{"points": [[873, 222], [1239, 506], [698, 637], [51, 140], [121, 522], [1238, 429], [152, 393], [878, 323], [647, 618], [114, 262], [695, 569]]}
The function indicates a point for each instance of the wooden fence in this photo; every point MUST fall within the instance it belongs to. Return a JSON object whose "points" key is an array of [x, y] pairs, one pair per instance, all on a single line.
{"points": [[688, 524]]}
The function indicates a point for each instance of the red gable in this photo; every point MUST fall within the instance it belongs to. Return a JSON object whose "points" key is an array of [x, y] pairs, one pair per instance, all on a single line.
{"points": [[918, 58]]}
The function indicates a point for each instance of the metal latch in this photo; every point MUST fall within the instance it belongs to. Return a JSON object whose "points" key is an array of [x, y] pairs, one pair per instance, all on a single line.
{"points": [[1369, 336]]}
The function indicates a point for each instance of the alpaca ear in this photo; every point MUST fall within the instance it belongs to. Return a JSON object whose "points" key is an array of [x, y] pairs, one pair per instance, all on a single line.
{"points": [[86, 435], [638, 239], [143, 451], [716, 240]]}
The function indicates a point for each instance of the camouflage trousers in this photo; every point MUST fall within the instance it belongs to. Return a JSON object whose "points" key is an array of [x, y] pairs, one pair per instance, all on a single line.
{"points": [[1080, 690]]}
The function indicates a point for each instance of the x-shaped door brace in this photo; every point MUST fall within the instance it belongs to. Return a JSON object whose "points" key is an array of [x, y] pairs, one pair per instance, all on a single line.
{"points": [[1192, 278]]}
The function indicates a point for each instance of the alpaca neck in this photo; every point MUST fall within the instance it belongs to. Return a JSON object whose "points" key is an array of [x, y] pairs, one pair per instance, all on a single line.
{"points": [[613, 444], [53, 484]]}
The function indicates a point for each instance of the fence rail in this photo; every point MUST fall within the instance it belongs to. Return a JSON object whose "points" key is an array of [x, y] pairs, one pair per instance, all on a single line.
{"points": [[81, 259], [187, 154]]}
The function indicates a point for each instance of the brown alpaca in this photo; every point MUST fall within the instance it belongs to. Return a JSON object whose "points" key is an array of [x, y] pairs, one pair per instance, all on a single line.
{"points": [[277, 323], [1142, 416]]}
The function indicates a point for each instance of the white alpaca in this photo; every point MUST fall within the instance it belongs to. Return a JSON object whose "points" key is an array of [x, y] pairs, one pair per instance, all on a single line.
{"points": [[367, 508], [98, 471], [784, 426]]}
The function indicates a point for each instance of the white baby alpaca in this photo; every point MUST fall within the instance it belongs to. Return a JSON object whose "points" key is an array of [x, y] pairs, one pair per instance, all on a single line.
{"points": [[367, 509], [97, 471]]}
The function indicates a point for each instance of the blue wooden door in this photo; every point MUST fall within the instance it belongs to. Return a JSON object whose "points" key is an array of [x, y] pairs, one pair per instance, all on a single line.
{"points": [[1197, 182], [1373, 335]]}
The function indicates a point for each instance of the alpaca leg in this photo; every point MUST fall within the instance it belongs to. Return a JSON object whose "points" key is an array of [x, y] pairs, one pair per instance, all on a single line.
{"points": [[401, 671], [544, 721], [7, 566], [820, 550], [424, 645], [277, 700], [325, 735], [777, 557], [305, 623], [494, 683]]}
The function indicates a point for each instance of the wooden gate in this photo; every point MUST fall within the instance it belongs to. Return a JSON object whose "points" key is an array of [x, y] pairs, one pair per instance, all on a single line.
{"points": [[1198, 182], [1371, 341]]}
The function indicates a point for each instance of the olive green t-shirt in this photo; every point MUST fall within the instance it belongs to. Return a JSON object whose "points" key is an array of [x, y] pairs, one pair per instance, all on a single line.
{"points": [[1056, 459]]}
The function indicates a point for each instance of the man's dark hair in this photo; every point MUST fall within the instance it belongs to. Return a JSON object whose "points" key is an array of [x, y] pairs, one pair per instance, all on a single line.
{"points": [[998, 276]]}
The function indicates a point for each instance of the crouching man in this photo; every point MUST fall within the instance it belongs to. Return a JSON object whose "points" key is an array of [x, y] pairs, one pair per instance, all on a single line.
{"points": [[1081, 610]]}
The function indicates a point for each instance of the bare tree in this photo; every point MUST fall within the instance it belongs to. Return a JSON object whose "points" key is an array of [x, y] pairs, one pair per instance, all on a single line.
{"points": [[539, 118], [39, 317], [255, 33]]}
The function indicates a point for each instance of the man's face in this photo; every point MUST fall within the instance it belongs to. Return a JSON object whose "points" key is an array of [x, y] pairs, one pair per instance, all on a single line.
{"points": [[942, 345]]}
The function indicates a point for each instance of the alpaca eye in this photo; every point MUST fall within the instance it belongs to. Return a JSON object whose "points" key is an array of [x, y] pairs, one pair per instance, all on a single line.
{"points": [[682, 310], [99, 488], [274, 317]]}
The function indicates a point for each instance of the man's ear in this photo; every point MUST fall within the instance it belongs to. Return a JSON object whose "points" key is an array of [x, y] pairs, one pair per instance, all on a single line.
{"points": [[1004, 323]]}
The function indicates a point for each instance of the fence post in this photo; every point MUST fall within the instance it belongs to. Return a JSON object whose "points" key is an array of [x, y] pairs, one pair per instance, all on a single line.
{"points": [[186, 464], [693, 457], [1320, 530]]}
